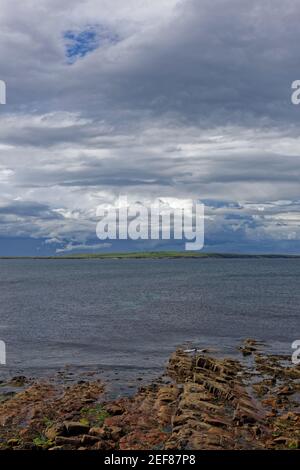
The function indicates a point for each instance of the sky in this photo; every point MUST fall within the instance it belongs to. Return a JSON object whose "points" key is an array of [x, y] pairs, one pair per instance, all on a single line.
{"points": [[151, 99]]}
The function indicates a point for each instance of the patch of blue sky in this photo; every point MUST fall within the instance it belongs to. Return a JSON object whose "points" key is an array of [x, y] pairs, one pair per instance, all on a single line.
{"points": [[80, 43]]}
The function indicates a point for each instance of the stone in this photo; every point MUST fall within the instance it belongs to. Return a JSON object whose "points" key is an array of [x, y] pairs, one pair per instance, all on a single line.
{"points": [[99, 432], [13, 442], [88, 440], [287, 390], [167, 394], [280, 440], [244, 415], [67, 441], [204, 403], [74, 428], [103, 445], [139, 440], [18, 381], [216, 421], [114, 409], [53, 431], [115, 433]]}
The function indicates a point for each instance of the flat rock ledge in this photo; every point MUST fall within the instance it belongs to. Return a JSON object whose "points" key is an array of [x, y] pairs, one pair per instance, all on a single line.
{"points": [[201, 402]]}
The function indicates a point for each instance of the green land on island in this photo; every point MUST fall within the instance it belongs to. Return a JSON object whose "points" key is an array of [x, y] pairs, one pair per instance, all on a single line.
{"points": [[152, 255]]}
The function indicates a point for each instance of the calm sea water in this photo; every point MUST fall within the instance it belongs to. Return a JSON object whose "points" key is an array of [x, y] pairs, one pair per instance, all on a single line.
{"points": [[128, 315]]}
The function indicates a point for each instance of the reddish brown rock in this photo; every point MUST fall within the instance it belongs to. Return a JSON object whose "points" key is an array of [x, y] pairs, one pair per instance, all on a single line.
{"points": [[68, 441], [209, 403], [143, 440], [114, 409], [73, 428]]}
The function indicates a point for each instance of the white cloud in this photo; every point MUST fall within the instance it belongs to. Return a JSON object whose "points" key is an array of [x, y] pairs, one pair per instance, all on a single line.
{"points": [[193, 102]]}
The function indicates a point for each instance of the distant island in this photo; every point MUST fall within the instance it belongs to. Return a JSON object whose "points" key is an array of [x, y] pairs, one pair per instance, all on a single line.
{"points": [[152, 255]]}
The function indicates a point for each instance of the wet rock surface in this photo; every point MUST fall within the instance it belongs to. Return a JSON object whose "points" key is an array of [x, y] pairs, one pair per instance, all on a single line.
{"points": [[202, 402]]}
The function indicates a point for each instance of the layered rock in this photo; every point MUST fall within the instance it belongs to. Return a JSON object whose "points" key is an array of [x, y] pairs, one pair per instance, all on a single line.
{"points": [[202, 402]]}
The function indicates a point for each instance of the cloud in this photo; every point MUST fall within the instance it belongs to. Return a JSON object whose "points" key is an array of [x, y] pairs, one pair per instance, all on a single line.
{"points": [[153, 99], [70, 248]]}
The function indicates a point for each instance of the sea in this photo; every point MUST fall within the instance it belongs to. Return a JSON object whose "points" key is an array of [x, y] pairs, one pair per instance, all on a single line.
{"points": [[122, 318]]}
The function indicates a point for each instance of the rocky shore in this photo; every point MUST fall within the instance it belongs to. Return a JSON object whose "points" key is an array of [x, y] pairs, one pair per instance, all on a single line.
{"points": [[201, 402]]}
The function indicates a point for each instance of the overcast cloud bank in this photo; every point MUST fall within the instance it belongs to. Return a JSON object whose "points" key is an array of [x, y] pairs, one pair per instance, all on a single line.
{"points": [[165, 98]]}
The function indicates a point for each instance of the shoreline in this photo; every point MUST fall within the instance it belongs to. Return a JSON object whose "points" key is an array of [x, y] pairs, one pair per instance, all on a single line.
{"points": [[156, 255], [200, 402]]}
